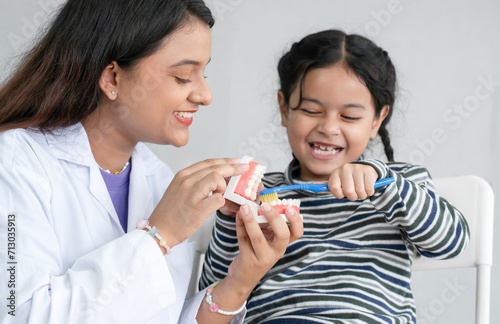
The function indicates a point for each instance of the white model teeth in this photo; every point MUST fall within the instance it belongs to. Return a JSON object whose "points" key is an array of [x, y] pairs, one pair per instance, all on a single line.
{"points": [[288, 202], [186, 115], [254, 181]]}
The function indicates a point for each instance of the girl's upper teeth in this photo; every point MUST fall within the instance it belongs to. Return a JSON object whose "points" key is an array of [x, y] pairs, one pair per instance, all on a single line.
{"points": [[325, 150]]}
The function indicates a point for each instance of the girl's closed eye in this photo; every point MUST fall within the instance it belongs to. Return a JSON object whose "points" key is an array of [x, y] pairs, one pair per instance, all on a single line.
{"points": [[350, 117], [309, 111]]}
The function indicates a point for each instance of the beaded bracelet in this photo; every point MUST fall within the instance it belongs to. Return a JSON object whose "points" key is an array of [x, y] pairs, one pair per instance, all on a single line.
{"points": [[214, 308], [154, 232]]}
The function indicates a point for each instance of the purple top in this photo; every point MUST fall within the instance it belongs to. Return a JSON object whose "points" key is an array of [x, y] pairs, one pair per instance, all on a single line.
{"points": [[118, 188]]}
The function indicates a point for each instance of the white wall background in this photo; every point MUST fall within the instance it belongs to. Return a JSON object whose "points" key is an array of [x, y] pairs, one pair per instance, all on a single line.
{"points": [[447, 54]]}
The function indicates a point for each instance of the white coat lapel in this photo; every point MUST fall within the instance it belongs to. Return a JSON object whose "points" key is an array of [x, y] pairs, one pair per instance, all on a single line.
{"points": [[140, 199]]}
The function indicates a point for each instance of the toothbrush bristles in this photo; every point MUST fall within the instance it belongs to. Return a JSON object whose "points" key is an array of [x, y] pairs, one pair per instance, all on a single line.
{"points": [[269, 197]]}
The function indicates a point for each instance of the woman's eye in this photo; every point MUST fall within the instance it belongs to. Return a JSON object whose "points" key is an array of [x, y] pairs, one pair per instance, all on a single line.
{"points": [[183, 81]]}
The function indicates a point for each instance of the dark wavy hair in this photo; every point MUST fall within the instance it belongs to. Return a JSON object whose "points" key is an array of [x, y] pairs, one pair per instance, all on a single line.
{"points": [[56, 84], [359, 54]]}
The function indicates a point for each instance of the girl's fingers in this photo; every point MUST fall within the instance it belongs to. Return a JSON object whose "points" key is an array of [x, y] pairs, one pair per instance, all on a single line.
{"points": [[369, 182], [258, 242], [359, 186], [230, 208], [335, 186], [243, 217], [348, 186], [277, 225], [296, 225]]}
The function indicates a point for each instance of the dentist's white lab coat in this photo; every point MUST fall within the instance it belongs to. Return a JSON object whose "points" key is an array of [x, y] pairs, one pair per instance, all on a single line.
{"points": [[73, 263]]}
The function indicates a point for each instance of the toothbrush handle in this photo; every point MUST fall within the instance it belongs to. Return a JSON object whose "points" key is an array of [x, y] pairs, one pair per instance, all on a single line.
{"points": [[324, 187], [315, 187], [383, 182]]}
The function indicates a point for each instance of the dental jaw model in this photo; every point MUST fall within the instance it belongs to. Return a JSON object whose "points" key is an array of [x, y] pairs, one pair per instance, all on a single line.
{"points": [[243, 189], [281, 205]]}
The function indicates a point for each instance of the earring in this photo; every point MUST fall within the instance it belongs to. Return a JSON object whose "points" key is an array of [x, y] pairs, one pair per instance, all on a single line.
{"points": [[113, 93]]}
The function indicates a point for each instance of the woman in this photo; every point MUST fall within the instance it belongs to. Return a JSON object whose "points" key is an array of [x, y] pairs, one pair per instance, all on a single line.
{"points": [[75, 178]]}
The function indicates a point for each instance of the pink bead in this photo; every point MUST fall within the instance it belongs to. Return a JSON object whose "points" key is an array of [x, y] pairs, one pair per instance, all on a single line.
{"points": [[142, 224], [214, 307]]}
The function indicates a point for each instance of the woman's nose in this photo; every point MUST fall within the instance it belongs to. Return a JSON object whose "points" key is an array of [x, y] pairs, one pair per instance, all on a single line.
{"points": [[202, 94]]}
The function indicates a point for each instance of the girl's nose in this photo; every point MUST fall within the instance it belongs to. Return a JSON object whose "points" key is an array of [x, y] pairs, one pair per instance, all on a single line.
{"points": [[329, 126]]}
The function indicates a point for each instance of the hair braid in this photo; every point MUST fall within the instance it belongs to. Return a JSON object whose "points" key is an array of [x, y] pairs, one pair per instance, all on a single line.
{"points": [[384, 136]]}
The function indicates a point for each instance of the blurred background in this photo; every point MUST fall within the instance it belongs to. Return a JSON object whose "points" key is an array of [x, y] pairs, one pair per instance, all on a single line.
{"points": [[447, 55]]}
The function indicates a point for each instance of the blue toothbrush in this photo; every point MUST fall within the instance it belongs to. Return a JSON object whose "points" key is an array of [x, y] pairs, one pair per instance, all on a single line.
{"points": [[269, 195]]}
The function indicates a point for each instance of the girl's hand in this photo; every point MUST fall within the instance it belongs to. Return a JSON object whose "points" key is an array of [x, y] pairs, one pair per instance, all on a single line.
{"points": [[260, 248], [192, 196], [353, 181], [230, 208]]}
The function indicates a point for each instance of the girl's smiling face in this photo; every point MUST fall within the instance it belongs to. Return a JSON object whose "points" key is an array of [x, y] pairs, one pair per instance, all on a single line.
{"points": [[334, 122]]}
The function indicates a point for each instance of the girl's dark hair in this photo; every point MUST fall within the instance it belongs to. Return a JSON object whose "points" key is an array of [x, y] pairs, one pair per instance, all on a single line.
{"points": [[360, 55], [57, 83]]}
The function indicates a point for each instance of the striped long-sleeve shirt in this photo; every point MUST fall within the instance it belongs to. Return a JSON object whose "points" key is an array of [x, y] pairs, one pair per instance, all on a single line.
{"points": [[353, 263]]}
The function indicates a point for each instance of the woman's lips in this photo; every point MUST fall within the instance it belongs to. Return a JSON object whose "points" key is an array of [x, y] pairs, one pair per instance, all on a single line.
{"points": [[184, 117]]}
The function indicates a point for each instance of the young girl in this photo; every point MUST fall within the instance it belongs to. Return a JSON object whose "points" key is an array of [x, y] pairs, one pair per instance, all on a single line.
{"points": [[76, 179], [353, 263]]}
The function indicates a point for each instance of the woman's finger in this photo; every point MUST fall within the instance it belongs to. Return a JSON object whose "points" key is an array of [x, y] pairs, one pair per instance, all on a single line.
{"points": [[207, 163], [225, 167], [212, 203]]}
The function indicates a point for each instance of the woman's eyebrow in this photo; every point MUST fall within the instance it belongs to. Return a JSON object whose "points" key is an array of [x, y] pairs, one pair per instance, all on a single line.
{"points": [[187, 62]]}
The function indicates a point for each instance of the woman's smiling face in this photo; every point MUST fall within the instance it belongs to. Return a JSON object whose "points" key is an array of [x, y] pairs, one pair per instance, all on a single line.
{"points": [[157, 98], [334, 122]]}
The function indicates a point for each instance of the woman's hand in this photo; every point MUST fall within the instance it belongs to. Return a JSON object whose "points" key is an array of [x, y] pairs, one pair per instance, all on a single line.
{"points": [[231, 208], [353, 181], [192, 196]]}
